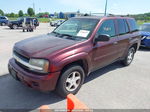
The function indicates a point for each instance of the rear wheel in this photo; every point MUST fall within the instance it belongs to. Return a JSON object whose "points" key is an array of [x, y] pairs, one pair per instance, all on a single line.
{"points": [[129, 58], [3, 24], [14, 26], [70, 81]]}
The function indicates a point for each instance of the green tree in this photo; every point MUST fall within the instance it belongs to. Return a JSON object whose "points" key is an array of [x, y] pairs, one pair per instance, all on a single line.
{"points": [[12, 14], [31, 12], [1, 12], [20, 13]]}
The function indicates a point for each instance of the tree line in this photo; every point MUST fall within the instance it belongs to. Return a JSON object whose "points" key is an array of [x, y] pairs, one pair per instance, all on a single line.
{"points": [[141, 17], [30, 12]]}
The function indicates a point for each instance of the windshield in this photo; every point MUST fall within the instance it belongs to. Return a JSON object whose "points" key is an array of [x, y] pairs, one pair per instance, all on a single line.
{"points": [[20, 19], [145, 28], [77, 27]]}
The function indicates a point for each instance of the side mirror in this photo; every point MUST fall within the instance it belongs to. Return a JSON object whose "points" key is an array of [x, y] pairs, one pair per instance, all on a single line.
{"points": [[102, 38]]}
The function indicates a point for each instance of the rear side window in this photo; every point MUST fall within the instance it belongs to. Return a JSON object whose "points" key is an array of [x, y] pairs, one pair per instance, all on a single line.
{"points": [[132, 25], [121, 26], [3, 18], [108, 28]]}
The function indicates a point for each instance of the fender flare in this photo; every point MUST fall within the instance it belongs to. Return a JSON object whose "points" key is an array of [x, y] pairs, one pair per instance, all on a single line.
{"points": [[73, 58]]}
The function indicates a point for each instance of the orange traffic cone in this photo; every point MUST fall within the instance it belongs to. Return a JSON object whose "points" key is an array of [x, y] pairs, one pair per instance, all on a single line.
{"points": [[73, 104], [44, 108]]}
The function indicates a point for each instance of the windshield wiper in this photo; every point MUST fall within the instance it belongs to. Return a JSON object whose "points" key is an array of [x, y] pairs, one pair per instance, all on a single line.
{"points": [[56, 33], [69, 36]]}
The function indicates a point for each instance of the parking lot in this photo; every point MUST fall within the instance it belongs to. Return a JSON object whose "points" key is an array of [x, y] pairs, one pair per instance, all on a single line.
{"points": [[113, 87]]}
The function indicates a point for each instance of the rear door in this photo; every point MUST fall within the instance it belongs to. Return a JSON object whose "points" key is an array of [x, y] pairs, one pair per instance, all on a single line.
{"points": [[106, 52], [123, 36]]}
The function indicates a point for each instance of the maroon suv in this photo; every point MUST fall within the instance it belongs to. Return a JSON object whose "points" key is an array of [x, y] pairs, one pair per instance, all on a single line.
{"points": [[61, 60]]}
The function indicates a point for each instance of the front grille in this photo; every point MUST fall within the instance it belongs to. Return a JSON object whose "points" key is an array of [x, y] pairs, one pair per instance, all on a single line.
{"points": [[21, 65], [22, 57]]}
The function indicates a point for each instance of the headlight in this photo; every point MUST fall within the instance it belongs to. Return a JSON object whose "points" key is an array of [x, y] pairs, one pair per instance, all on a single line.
{"points": [[147, 37], [39, 65]]}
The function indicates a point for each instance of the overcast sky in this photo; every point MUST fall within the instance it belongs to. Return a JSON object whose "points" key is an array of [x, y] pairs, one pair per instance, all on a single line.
{"points": [[85, 6]]}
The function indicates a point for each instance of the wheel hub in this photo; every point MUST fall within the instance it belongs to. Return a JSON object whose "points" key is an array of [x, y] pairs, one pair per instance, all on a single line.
{"points": [[73, 81]]}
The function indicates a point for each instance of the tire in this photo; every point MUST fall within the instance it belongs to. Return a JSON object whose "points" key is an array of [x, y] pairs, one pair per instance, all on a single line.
{"points": [[11, 27], [55, 25], [23, 30], [129, 57], [14, 26], [3, 24], [74, 75]]}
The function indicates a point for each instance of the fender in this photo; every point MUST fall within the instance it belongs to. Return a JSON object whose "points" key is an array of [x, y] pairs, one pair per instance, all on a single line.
{"points": [[58, 66]]}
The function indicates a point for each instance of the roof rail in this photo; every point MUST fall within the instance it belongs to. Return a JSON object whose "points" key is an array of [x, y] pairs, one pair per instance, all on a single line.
{"points": [[107, 15]]}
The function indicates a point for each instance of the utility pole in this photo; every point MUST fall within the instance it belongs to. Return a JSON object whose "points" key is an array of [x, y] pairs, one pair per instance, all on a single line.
{"points": [[34, 6], [106, 8]]}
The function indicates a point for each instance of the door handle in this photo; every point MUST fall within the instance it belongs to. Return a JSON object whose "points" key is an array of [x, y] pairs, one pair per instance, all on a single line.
{"points": [[115, 43], [130, 38]]}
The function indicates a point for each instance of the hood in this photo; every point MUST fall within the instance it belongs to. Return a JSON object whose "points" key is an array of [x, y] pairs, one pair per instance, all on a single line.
{"points": [[42, 46], [143, 33]]}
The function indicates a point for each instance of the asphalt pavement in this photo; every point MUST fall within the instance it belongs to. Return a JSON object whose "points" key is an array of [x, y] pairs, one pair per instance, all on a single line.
{"points": [[113, 87]]}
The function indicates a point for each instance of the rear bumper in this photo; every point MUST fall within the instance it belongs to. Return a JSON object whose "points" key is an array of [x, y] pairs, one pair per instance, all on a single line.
{"points": [[36, 81]]}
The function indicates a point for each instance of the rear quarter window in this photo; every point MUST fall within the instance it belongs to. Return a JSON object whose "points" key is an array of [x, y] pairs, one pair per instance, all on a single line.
{"points": [[132, 24]]}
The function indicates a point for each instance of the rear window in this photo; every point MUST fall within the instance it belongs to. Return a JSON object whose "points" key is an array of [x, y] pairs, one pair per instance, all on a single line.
{"points": [[133, 25]]}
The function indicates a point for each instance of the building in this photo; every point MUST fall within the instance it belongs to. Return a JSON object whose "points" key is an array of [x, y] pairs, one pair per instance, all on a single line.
{"points": [[66, 15]]}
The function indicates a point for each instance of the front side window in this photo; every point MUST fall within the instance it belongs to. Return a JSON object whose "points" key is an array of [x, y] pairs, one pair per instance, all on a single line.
{"points": [[77, 27], [107, 28]]}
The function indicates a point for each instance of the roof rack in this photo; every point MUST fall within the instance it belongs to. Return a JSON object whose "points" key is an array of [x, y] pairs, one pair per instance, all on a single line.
{"points": [[107, 15]]}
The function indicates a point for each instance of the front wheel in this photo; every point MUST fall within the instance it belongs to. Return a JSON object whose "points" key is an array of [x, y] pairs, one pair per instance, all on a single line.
{"points": [[129, 58], [70, 81]]}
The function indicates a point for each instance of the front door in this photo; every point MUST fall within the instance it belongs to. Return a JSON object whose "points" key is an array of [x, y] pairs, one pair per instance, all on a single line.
{"points": [[106, 52]]}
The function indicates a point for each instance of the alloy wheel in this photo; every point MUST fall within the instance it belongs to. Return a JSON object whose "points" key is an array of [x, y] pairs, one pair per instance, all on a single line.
{"points": [[73, 81], [130, 56]]}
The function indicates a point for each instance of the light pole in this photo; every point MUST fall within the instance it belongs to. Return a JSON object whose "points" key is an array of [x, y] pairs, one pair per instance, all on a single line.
{"points": [[106, 8], [33, 6]]}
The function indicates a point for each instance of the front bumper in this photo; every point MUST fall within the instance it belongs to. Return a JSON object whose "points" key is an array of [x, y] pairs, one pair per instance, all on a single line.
{"points": [[36, 81], [145, 43]]}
